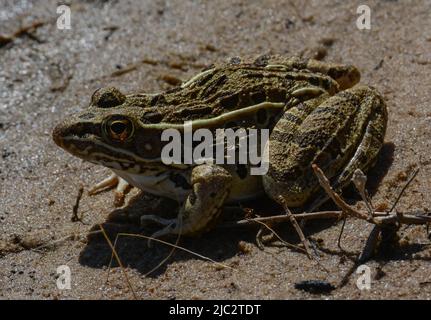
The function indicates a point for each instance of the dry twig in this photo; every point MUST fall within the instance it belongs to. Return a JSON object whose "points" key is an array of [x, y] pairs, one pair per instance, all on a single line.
{"points": [[379, 219], [75, 216], [397, 199], [359, 179], [295, 224], [26, 30]]}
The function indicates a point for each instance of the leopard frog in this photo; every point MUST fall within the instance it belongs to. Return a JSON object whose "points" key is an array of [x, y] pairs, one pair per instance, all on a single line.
{"points": [[313, 110]]}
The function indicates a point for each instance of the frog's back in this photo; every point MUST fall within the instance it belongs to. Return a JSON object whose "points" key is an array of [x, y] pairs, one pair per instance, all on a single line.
{"points": [[237, 84]]}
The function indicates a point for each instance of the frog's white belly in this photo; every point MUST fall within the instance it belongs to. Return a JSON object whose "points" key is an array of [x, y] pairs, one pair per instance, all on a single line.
{"points": [[161, 185]]}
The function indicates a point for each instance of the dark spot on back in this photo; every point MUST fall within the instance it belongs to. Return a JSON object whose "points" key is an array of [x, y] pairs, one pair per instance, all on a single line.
{"points": [[277, 95], [212, 87], [205, 79], [198, 110], [245, 99], [158, 100], [315, 81], [194, 94], [152, 117], [229, 101], [328, 110], [221, 80], [258, 97], [252, 75]]}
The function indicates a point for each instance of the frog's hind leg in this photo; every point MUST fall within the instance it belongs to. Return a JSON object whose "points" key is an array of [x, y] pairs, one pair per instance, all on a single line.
{"points": [[279, 151], [340, 134], [366, 153]]}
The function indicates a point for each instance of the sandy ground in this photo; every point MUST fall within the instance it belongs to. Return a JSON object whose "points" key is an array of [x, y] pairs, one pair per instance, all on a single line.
{"points": [[52, 73]]}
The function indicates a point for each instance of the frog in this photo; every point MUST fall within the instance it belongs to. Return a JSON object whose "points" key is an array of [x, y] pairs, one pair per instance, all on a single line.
{"points": [[316, 113]]}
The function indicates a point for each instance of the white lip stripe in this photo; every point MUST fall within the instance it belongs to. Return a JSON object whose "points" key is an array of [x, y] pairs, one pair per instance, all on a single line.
{"points": [[107, 146], [145, 160]]}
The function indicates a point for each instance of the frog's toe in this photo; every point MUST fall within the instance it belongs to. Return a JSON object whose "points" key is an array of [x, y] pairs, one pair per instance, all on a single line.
{"points": [[121, 185], [107, 183], [120, 192]]}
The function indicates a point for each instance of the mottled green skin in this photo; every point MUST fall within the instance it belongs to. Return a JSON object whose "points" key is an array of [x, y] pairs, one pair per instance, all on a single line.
{"points": [[307, 105], [224, 88]]}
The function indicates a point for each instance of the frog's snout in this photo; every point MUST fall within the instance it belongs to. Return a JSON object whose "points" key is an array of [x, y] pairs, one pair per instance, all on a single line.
{"points": [[69, 131], [58, 134]]}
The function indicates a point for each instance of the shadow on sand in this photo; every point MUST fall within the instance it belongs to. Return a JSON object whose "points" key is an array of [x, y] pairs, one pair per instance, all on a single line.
{"points": [[219, 244]]}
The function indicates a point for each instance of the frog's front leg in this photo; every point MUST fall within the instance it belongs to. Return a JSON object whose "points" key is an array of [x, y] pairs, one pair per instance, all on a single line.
{"points": [[211, 185], [121, 188]]}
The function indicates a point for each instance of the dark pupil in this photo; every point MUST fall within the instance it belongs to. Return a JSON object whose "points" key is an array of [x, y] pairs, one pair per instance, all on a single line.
{"points": [[118, 127]]}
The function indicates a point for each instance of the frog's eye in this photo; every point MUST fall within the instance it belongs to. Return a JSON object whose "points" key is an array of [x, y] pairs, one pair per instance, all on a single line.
{"points": [[119, 129]]}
